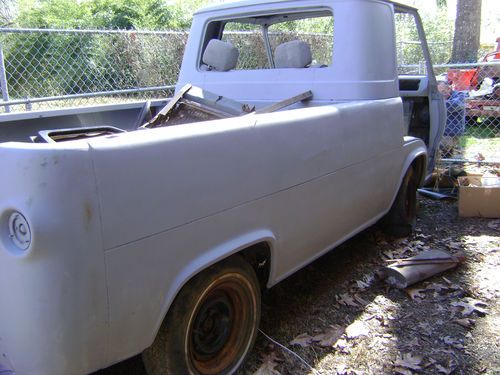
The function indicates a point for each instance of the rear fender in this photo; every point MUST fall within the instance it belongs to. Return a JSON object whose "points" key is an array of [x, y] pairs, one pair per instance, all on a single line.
{"points": [[415, 149], [211, 257]]}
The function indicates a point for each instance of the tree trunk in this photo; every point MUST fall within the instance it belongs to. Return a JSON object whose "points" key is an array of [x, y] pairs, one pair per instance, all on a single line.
{"points": [[467, 30]]}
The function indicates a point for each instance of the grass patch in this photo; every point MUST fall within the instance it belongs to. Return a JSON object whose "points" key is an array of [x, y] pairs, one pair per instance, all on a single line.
{"points": [[481, 139]]}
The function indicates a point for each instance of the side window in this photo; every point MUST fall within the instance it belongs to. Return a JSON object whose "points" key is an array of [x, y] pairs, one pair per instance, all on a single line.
{"points": [[248, 39], [410, 57], [317, 32]]}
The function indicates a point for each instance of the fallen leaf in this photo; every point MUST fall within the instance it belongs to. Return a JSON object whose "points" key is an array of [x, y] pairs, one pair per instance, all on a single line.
{"points": [[413, 342], [360, 300], [449, 340], [361, 284], [330, 336], [437, 287], [465, 322], [415, 294], [445, 370], [269, 362], [344, 370], [347, 300], [303, 340], [356, 329], [470, 305], [409, 361], [341, 344], [448, 281], [494, 224], [426, 328], [402, 371], [455, 245]]}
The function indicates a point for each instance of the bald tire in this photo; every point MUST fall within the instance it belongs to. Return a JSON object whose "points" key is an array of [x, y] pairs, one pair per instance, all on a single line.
{"points": [[401, 219], [212, 324]]}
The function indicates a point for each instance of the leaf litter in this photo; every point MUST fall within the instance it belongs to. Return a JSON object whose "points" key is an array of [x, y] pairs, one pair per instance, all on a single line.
{"points": [[434, 327]]}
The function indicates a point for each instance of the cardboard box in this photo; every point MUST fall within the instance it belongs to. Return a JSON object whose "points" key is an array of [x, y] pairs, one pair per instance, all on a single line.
{"points": [[479, 196]]}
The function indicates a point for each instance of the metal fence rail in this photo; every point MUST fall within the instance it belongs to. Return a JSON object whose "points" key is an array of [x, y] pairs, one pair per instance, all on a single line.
{"points": [[51, 68]]}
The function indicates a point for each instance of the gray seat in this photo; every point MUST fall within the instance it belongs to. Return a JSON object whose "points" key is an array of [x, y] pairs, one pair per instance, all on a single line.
{"points": [[293, 54], [220, 56]]}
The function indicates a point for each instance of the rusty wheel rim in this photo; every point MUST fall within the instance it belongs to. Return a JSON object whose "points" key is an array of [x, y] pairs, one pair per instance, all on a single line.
{"points": [[222, 326]]}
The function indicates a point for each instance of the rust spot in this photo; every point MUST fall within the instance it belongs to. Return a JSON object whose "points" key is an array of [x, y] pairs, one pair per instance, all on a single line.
{"points": [[87, 214]]}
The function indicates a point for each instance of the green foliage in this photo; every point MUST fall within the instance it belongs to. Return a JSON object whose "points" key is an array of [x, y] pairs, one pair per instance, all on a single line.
{"points": [[108, 14], [439, 34]]}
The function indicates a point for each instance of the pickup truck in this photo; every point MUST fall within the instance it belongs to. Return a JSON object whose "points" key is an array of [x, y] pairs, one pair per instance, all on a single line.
{"points": [[152, 227]]}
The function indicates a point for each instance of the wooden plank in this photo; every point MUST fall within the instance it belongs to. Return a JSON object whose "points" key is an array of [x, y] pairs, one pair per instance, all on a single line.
{"points": [[287, 102]]}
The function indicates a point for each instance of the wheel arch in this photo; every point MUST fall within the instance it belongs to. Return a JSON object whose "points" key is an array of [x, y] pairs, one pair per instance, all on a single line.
{"points": [[257, 248], [416, 158]]}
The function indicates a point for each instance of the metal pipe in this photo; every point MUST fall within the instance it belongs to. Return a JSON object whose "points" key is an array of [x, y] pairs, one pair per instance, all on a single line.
{"points": [[470, 161], [86, 95], [464, 65], [3, 80], [92, 31]]}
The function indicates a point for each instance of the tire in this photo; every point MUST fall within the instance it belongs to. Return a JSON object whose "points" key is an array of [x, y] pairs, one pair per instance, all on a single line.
{"points": [[211, 325], [401, 219]]}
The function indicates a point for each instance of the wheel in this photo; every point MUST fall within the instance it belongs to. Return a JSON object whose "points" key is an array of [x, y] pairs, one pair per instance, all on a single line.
{"points": [[401, 219], [211, 325]]}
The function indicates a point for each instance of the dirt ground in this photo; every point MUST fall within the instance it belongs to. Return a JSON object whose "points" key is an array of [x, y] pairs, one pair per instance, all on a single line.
{"points": [[339, 319]]}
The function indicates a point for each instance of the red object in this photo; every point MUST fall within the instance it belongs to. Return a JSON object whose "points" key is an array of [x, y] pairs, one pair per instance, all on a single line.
{"points": [[462, 79]]}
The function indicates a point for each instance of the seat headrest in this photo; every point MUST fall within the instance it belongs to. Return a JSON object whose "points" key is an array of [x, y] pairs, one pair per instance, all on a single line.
{"points": [[293, 54], [220, 56]]}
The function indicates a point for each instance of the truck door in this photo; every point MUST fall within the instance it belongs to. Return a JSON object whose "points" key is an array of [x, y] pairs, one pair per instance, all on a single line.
{"points": [[424, 108]]}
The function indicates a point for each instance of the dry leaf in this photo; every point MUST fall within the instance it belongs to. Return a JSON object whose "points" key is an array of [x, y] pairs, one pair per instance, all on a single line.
{"points": [[361, 284], [347, 300], [445, 370], [342, 369], [455, 245], [470, 305], [426, 328], [414, 342], [494, 224], [303, 340], [448, 281], [415, 294], [356, 329], [465, 322], [409, 361], [360, 300], [449, 340], [437, 287], [330, 336], [341, 344], [402, 371], [269, 362]]}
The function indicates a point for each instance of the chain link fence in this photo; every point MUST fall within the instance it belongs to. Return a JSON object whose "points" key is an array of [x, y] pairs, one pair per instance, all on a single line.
{"points": [[43, 69]]}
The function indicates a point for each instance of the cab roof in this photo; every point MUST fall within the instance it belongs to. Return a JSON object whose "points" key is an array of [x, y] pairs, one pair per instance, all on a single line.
{"points": [[248, 3]]}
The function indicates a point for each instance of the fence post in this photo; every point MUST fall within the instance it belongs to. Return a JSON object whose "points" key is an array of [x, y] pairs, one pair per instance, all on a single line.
{"points": [[3, 79]]}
